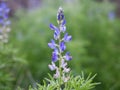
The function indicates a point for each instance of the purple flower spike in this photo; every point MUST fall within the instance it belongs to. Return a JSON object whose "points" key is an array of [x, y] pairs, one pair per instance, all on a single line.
{"points": [[67, 56], [59, 47], [67, 38], [62, 46], [54, 56], [4, 13], [52, 44], [3, 6]]}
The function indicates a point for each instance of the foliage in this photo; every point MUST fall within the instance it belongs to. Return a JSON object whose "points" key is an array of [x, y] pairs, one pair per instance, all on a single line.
{"points": [[9, 70], [75, 83]]}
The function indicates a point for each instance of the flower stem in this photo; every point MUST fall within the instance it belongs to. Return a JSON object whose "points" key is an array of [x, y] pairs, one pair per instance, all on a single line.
{"points": [[60, 56]]}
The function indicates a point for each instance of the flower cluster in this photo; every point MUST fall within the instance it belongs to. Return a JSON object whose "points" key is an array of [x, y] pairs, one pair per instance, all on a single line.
{"points": [[58, 45], [4, 22]]}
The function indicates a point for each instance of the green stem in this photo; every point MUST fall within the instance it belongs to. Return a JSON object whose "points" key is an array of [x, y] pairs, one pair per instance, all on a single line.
{"points": [[60, 69]]}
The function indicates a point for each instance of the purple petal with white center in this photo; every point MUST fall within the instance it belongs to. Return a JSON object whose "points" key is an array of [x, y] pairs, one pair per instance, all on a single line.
{"points": [[54, 57], [67, 38], [66, 70], [52, 67], [68, 57], [56, 34], [63, 63], [62, 28], [57, 74], [56, 51], [52, 44], [62, 46], [60, 14]]}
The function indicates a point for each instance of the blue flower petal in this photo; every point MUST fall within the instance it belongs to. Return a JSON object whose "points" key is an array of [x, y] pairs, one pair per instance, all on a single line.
{"points": [[62, 28], [64, 22], [54, 57], [60, 14], [67, 38], [56, 51], [52, 44], [52, 67], [68, 57], [62, 46], [52, 27], [56, 35]]}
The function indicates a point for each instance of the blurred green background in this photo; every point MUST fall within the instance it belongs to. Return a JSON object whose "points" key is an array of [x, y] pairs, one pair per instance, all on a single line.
{"points": [[94, 25]]}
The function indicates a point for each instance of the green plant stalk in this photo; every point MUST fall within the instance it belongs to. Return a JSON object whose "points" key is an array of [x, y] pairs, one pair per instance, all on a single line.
{"points": [[60, 55]]}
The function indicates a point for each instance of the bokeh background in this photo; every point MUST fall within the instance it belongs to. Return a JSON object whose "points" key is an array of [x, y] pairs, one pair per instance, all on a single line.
{"points": [[94, 25]]}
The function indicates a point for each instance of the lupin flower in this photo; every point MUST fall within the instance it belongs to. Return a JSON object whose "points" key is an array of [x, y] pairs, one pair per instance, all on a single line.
{"points": [[60, 15], [4, 22], [67, 38], [4, 11], [66, 70], [62, 28], [60, 47], [56, 31], [56, 34], [63, 63], [52, 44], [54, 56], [67, 56], [52, 67], [57, 74], [52, 27]]}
